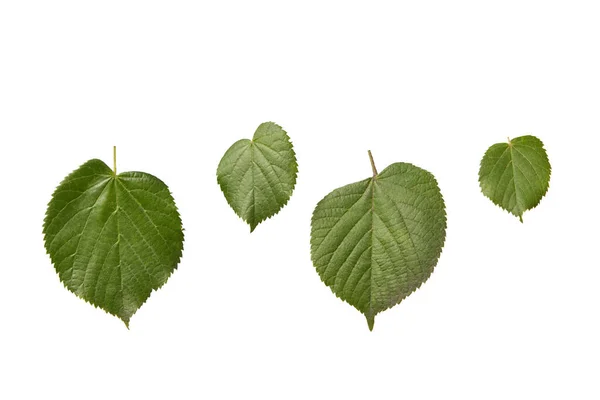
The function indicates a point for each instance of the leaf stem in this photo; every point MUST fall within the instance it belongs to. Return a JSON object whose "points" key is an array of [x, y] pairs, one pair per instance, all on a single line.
{"points": [[372, 164], [115, 159]]}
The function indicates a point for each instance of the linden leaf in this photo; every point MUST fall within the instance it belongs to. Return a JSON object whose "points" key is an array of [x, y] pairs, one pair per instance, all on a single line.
{"points": [[374, 242], [113, 238], [258, 176], [515, 175]]}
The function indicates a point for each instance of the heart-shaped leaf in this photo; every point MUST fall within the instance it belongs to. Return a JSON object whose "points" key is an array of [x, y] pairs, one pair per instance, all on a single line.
{"points": [[113, 238], [258, 176], [376, 241], [515, 175]]}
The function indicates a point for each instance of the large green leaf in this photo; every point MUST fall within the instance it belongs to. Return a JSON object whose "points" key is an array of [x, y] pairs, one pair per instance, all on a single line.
{"points": [[515, 175], [258, 176], [113, 238], [376, 241]]}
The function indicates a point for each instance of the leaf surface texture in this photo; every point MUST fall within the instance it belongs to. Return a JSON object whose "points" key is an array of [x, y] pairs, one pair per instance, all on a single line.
{"points": [[376, 241], [113, 238], [515, 175], [258, 176]]}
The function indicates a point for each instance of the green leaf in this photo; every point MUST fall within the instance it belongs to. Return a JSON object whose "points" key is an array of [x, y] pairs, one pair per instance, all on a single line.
{"points": [[374, 242], [515, 175], [113, 238], [258, 176]]}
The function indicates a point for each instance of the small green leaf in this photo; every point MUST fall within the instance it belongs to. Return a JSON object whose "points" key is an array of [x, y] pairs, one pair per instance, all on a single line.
{"points": [[374, 242], [258, 176], [113, 238], [515, 175]]}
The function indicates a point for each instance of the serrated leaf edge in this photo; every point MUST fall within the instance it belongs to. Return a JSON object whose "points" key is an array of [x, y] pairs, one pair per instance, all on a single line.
{"points": [[520, 216], [126, 322], [294, 179], [371, 319]]}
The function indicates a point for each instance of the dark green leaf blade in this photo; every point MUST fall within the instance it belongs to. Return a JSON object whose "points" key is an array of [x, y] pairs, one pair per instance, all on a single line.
{"points": [[258, 176], [374, 242], [113, 238], [515, 175]]}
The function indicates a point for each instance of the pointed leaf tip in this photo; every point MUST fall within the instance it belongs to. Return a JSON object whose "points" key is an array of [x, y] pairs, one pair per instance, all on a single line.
{"points": [[370, 322]]}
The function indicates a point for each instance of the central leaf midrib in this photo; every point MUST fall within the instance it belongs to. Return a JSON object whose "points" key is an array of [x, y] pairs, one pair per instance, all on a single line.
{"points": [[118, 244], [371, 263], [421, 267], [512, 161], [119, 210]]}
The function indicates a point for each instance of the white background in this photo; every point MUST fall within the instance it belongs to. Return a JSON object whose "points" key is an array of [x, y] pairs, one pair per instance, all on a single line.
{"points": [[512, 310]]}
